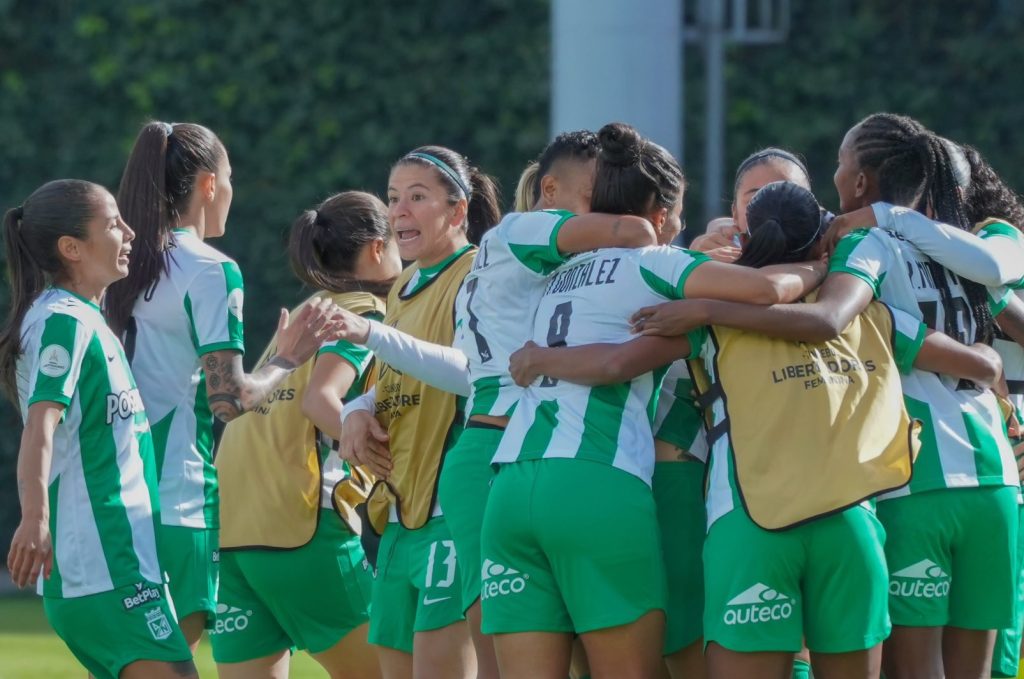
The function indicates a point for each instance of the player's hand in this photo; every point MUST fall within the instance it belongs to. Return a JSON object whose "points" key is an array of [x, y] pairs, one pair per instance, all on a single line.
{"points": [[31, 552], [521, 364], [726, 254], [299, 337], [670, 318], [862, 218], [348, 326], [364, 441], [720, 233]]}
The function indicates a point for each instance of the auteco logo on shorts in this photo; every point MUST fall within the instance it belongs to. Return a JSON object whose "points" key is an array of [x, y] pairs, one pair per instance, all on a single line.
{"points": [[924, 580], [143, 595], [760, 603], [230, 619], [498, 580]]}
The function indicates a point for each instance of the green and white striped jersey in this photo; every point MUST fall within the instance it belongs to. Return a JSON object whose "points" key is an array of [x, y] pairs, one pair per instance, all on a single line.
{"points": [[589, 300], [102, 485], [193, 309], [722, 489], [678, 420], [495, 307], [1011, 352], [963, 441]]}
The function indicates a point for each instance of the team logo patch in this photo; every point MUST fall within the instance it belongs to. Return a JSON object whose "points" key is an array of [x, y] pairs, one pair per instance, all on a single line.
{"points": [[758, 604], [235, 303], [923, 580], [159, 625], [54, 361], [497, 580]]}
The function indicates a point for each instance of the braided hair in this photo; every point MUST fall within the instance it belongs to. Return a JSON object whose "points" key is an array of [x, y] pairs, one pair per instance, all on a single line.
{"points": [[988, 195], [914, 169]]}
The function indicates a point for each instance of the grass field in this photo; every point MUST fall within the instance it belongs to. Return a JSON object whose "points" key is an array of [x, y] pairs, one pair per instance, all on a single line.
{"points": [[30, 650]]}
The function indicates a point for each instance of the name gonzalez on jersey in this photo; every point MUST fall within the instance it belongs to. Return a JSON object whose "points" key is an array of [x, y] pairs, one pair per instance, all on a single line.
{"points": [[123, 404]]}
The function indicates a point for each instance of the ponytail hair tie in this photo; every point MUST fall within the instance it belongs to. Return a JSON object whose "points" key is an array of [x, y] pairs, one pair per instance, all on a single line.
{"points": [[318, 218], [19, 212], [168, 129]]}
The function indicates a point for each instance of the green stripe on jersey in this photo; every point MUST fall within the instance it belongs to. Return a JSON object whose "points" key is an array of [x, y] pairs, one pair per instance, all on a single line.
{"points": [[204, 442], [485, 394], [538, 436], [987, 463], [103, 478], [661, 286], [55, 585], [602, 421], [233, 285], [927, 465]]}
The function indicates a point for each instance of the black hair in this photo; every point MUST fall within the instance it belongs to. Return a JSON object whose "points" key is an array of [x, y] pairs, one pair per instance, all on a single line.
{"points": [[63, 207], [634, 175], [785, 223], [579, 146], [988, 196], [914, 168], [155, 189], [463, 181], [772, 154], [325, 242]]}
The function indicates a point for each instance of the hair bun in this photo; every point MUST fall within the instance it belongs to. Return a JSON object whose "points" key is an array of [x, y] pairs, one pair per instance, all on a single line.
{"points": [[621, 144]]}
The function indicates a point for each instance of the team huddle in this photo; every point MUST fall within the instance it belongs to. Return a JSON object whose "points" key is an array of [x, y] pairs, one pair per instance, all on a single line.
{"points": [[550, 445]]}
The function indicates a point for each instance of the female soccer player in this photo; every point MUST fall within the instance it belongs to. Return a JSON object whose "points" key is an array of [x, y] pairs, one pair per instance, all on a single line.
{"points": [[437, 206], [752, 628], [279, 484], [544, 575], [86, 474], [180, 310], [952, 532], [724, 236]]}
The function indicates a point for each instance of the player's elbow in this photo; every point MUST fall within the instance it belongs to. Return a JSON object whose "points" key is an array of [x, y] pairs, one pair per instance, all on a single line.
{"points": [[637, 232]]}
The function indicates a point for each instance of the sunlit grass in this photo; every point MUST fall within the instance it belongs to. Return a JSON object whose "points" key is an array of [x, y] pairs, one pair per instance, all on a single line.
{"points": [[29, 649]]}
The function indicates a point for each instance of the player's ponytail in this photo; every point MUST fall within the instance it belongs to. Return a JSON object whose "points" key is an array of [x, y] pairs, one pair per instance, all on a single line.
{"points": [[484, 209], [155, 190], [59, 208], [527, 188], [785, 223], [325, 242], [634, 176]]}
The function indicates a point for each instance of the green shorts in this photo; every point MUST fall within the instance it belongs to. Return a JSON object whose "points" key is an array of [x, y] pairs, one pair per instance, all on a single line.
{"points": [[108, 631], [190, 558], [307, 598], [462, 493], [1006, 655], [952, 557], [824, 581], [569, 546], [417, 587], [682, 521]]}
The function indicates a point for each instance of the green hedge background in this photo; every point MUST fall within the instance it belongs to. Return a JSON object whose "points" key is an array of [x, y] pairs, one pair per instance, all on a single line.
{"points": [[319, 96]]}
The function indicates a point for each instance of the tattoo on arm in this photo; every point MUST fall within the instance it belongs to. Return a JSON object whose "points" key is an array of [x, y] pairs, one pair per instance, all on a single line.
{"points": [[231, 392], [615, 226]]}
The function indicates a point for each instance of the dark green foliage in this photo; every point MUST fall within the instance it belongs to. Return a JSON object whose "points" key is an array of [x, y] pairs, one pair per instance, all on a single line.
{"points": [[318, 96]]}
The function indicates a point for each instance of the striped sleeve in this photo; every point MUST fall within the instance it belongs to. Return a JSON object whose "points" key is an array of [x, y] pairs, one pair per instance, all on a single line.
{"points": [[861, 254], [665, 269], [908, 334], [213, 304], [532, 238], [58, 364], [359, 356]]}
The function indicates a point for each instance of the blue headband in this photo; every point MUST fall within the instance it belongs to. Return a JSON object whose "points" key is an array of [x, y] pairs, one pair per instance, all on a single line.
{"points": [[444, 167]]}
